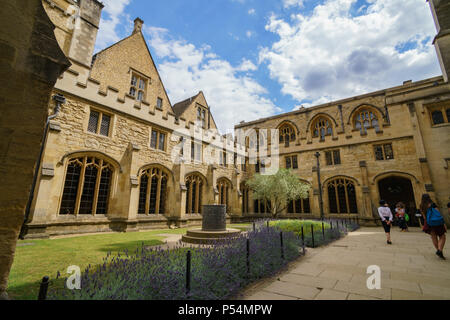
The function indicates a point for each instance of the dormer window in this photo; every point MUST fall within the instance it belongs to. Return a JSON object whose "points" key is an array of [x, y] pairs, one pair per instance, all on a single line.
{"points": [[201, 116], [159, 103], [138, 87]]}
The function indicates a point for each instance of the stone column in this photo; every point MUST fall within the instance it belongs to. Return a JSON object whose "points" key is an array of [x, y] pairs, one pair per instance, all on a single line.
{"points": [[178, 208], [31, 62], [420, 149], [315, 208], [124, 201], [366, 201], [236, 195]]}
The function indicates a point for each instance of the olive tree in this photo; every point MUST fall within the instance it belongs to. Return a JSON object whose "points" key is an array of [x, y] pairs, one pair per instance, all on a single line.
{"points": [[278, 189]]}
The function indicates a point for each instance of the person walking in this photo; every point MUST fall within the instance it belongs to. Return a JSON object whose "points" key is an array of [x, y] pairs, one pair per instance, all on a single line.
{"points": [[434, 224], [400, 213], [386, 219]]}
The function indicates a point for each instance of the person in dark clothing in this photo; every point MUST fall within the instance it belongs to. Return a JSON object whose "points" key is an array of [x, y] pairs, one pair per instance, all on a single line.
{"points": [[437, 232]]}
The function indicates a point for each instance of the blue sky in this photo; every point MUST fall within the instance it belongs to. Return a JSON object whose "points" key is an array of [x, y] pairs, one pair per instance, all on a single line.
{"points": [[257, 58]]}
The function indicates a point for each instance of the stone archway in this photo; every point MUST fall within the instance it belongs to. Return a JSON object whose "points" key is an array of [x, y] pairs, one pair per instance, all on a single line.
{"points": [[394, 189]]}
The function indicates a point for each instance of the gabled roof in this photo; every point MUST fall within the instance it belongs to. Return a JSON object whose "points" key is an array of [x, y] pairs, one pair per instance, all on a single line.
{"points": [[180, 107], [151, 58]]}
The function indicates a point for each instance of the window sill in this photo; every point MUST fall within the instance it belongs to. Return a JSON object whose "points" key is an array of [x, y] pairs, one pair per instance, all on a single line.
{"points": [[440, 125], [97, 135], [158, 150]]}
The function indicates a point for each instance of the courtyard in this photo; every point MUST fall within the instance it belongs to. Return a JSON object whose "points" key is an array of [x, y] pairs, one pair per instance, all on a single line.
{"points": [[410, 270]]}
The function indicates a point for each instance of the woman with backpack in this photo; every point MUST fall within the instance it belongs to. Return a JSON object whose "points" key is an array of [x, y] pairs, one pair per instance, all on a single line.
{"points": [[433, 224], [386, 219]]}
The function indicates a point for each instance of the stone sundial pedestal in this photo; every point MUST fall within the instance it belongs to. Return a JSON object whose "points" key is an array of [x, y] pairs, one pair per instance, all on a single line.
{"points": [[214, 227]]}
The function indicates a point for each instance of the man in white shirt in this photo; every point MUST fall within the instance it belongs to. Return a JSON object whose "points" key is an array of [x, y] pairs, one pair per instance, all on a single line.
{"points": [[386, 219]]}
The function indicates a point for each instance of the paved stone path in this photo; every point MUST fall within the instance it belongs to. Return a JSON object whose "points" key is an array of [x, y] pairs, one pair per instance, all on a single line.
{"points": [[410, 270]]}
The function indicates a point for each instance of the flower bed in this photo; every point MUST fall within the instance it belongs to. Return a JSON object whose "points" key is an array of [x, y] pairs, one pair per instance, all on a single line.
{"points": [[218, 272], [316, 236]]}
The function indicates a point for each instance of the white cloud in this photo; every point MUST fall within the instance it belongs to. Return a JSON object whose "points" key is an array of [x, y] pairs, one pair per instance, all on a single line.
{"points": [[247, 65], [252, 11], [329, 54], [108, 34], [249, 34], [292, 3], [187, 69]]}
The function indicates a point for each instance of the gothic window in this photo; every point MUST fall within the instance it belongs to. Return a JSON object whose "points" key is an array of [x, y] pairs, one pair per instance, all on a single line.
{"points": [[152, 191], [333, 157], [299, 206], [194, 185], [99, 123], [223, 158], [201, 116], [86, 187], [244, 164], [342, 196], [224, 188], [291, 162], [260, 166], [384, 152], [261, 206], [138, 87], [365, 119], [196, 151], [287, 134], [159, 103], [322, 127], [158, 140]]}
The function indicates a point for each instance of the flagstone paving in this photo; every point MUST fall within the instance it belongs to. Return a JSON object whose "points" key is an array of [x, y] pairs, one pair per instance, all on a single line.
{"points": [[410, 270]]}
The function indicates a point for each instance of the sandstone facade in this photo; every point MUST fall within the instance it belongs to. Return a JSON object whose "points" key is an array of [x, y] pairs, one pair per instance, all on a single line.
{"points": [[30, 63], [119, 156]]}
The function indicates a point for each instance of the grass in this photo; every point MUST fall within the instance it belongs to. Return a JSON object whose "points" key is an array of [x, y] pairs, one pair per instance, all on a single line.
{"points": [[47, 257], [296, 226]]}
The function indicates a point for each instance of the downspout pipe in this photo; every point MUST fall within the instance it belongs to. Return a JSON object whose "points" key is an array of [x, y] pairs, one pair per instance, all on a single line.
{"points": [[60, 100]]}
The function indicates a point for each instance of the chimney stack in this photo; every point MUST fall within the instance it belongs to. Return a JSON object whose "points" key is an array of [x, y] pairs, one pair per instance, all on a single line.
{"points": [[138, 23]]}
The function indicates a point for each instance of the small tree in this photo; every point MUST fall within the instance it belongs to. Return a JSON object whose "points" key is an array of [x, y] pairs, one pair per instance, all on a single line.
{"points": [[278, 189]]}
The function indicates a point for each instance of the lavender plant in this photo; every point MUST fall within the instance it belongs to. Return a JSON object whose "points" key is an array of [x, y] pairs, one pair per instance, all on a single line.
{"points": [[218, 271]]}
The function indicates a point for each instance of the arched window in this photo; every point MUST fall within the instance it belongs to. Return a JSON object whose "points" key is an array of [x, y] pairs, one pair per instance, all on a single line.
{"points": [[87, 186], [261, 206], [223, 187], [194, 185], [322, 127], [342, 196], [299, 206], [152, 191], [287, 134], [245, 190], [366, 118]]}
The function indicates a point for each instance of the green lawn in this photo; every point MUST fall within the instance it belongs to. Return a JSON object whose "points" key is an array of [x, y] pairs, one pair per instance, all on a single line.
{"points": [[47, 257]]}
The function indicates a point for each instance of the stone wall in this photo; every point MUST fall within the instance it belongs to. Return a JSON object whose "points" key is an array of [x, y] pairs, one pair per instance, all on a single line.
{"points": [[30, 62]]}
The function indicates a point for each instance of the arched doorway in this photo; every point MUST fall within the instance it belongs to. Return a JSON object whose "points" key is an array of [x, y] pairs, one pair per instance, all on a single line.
{"points": [[398, 189]]}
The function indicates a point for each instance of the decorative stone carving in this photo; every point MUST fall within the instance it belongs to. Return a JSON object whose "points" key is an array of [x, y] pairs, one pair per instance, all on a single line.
{"points": [[48, 170], [91, 143]]}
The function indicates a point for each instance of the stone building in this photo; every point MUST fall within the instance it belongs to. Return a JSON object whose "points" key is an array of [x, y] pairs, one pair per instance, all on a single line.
{"points": [[28, 72], [393, 144], [119, 156]]}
